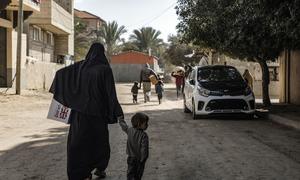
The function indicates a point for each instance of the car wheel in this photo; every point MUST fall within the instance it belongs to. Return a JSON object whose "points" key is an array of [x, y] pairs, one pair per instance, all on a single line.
{"points": [[185, 109], [194, 111]]}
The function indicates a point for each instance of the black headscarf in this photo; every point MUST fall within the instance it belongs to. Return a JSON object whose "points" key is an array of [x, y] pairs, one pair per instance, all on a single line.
{"points": [[88, 86], [96, 55]]}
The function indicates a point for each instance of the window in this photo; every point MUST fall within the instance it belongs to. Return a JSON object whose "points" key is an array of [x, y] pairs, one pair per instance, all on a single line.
{"points": [[44, 37], [49, 38], [36, 33]]}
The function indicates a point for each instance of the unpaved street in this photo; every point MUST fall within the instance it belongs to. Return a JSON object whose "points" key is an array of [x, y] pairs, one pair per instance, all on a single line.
{"points": [[34, 148]]}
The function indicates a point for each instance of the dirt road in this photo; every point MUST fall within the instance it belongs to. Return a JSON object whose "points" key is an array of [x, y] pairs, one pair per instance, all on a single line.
{"points": [[34, 148]]}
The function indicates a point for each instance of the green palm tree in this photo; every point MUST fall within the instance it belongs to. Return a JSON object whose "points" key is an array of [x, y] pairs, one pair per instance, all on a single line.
{"points": [[110, 35], [146, 38], [81, 41]]}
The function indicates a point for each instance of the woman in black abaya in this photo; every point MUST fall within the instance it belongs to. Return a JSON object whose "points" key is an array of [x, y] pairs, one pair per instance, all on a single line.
{"points": [[88, 88]]}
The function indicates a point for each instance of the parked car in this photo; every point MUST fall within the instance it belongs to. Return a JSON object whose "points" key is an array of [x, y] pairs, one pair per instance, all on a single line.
{"points": [[217, 89]]}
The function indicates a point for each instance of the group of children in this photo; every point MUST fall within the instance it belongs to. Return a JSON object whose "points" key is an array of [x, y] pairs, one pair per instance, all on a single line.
{"points": [[159, 89]]}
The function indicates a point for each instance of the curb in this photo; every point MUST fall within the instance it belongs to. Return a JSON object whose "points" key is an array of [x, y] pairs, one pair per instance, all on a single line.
{"points": [[284, 121]]}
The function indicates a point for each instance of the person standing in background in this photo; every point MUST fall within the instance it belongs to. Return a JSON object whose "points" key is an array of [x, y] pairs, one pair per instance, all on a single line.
{"points": [[159, 88], [135, 91], [248, 78]]}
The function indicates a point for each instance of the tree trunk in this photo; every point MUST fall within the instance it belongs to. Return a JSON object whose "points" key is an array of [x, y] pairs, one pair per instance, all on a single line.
{"points": [[265, 83]]}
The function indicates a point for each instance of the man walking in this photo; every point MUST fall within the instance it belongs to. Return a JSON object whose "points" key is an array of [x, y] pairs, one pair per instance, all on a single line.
{"points": [[146, 72]]}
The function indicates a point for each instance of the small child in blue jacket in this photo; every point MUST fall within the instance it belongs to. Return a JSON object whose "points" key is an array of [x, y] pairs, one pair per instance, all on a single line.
{"points": [[135, 91], [159, 88]]}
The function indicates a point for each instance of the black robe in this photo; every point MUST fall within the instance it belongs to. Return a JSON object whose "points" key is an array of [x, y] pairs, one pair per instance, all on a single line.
{"points": [[88, 88]]}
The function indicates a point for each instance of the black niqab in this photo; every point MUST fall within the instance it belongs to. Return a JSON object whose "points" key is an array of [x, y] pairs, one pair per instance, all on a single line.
{"points": [[88, 86], [96, 55]]}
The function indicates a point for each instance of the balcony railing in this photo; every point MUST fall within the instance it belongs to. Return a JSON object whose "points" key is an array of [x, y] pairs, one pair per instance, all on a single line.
{"points": [[53, 17]]}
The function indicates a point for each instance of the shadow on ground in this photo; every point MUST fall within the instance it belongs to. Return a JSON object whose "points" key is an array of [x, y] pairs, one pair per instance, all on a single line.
{"points": [[37, 158], [181, 148]]}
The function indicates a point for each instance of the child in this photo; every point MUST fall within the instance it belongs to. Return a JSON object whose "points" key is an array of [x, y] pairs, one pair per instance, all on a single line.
{"points": [[134, 91], [159, 90], [137, 145]]}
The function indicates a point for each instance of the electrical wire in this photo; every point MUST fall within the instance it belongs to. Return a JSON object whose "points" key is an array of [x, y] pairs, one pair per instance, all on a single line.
{"points": [[162, 13], [152, 19]]}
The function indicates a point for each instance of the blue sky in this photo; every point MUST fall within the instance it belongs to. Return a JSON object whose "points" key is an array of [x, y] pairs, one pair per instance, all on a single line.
{"points": [[134, 14]]}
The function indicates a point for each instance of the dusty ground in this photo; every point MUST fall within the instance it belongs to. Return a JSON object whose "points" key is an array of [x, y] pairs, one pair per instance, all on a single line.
{"points": [[32, 147]]}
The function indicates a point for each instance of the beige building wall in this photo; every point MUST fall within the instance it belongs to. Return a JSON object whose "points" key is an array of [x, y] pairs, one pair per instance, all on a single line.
{"points": [[61, 45], [41, 49], [12, 57], [289, 77], [295, 77], [283, 97], [92, 24], [40, 75], [55, 17], [41, 52], [39, 57]]}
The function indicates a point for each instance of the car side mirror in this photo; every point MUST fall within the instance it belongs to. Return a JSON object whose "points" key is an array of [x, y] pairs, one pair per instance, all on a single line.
{"points": [[192, 82]]}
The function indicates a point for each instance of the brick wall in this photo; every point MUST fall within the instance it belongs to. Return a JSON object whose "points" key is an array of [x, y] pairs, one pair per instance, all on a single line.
{"points": [[127, 66], [132, 58]]}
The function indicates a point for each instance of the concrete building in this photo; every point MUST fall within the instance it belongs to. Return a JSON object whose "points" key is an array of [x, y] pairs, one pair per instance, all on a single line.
{"points": [[290, 77], [48, 38], [92, 21], [8, 37], [127, 66], [85, 24]]}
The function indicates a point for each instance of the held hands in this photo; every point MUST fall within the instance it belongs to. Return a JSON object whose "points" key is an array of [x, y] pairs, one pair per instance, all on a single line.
{"points": [[120, 118]]}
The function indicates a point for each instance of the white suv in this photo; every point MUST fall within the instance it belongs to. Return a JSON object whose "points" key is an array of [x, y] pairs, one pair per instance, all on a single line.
{"points": [[217, 89]]}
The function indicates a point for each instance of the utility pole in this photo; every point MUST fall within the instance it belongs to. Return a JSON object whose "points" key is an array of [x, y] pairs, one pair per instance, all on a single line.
{"points": [[19, 47]]}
